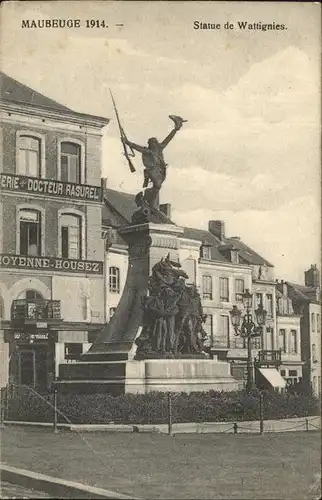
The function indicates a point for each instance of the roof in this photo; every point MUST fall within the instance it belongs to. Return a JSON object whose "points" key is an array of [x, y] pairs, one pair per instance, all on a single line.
{"points": [[205, 236], [247, 254], [301, 292], [123, 203], [12, 90]]}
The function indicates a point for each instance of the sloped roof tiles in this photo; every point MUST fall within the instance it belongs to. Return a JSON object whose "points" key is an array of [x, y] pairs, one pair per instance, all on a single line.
{"points": [[12, 90]]}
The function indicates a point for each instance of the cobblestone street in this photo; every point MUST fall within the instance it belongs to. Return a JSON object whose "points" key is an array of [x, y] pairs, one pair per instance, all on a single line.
{"points": [[9, 490]]}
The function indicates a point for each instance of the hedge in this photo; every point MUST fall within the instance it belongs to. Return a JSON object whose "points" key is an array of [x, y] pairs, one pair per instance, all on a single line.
{"points": [[152, 408]]}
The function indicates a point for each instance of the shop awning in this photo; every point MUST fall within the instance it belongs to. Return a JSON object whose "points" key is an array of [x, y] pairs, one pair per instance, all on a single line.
{"points": [[273, 377]]}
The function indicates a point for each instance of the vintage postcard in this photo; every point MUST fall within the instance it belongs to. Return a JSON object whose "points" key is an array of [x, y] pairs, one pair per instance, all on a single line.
{"points": [[160, 249]]}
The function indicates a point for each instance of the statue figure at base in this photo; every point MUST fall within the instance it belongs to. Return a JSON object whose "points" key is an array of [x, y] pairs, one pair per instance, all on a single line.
{"points": [[172, 315]]}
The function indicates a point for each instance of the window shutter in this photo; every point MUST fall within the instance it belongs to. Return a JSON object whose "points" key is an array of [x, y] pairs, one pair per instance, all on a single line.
{"points": [[64, 242]]}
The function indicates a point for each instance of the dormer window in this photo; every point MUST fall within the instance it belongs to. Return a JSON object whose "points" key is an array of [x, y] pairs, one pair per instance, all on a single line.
{"points": [[234, 256], [230, 252], [205, 250]]}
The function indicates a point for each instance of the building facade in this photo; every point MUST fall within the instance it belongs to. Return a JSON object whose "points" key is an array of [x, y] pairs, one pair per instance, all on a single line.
{"points": [[306, 302], [289, 337], [51, 247]]}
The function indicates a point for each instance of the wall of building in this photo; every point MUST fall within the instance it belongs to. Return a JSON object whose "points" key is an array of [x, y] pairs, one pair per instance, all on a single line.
{"points": [[315, 347], [82, 298], [291, 367], [51, 210], [4, 361], [52, 135], [117, 258], [265, 288], [216, 308], [77, 283], [189, 258]]}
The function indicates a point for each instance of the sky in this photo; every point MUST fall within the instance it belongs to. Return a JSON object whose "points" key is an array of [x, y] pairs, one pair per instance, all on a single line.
{"points": [[250, 151]]}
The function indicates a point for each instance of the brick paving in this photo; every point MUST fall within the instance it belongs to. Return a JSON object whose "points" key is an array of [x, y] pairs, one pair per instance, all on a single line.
{"points": [[8, 490]]}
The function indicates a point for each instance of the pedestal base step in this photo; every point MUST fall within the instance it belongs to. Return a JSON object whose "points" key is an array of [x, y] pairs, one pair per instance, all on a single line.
{"points": [[162, 375]]}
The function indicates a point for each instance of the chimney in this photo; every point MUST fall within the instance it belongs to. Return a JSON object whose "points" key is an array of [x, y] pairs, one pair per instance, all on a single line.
{"points": [[217, 228], [165, 208], [312, 276]]}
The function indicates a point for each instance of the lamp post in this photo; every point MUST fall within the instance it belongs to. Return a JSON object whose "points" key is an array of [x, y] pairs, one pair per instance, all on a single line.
{"points": [[248, 329]]}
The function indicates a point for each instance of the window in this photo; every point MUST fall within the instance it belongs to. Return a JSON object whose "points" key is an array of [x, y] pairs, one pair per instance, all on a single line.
{"points": [[205, 251], [313, 322], [234, 256], [30, 232], [32, 295], [292, 373], [269, 338], [208, 327], [71, 236], [283, 373], [207, 287], [112, 311], [259, 300], [29, 156], [318, 324], [222, 339], [293, 341], [269, 302], [314, 358], [114, 278], [239, 290], [70, 162], [73, 350], [1, 308], [224, 289], [282, 340]]}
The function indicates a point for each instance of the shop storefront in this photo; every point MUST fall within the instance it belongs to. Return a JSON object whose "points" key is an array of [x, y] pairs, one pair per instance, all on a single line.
{"points": [[32, 359]]}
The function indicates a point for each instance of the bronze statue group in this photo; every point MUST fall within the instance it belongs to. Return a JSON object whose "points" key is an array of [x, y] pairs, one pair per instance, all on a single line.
{"points": [[172, 315]]}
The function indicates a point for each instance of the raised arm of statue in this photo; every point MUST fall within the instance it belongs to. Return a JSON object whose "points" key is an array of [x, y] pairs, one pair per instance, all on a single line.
{"points": [[132, 145], [178, 121], [169, 137]]}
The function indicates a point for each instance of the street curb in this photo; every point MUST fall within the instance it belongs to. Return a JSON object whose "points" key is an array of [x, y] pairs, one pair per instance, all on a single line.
{"points": [[55, 487]]}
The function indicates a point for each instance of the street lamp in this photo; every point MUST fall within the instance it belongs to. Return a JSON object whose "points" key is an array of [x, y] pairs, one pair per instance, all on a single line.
{"points": [[248, 329]]}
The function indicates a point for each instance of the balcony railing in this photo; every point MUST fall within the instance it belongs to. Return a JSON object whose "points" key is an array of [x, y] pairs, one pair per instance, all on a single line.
{"points": [[235, 343], [32, 311], [266, 358]]}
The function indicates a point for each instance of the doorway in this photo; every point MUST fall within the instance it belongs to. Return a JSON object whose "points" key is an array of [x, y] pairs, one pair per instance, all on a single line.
{"points": [[32, 366]]}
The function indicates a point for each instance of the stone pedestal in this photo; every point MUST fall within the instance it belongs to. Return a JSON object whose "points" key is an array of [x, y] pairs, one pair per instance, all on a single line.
{"points": [[162, 375], [108, 366], [178, 375], [148, 244]]}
